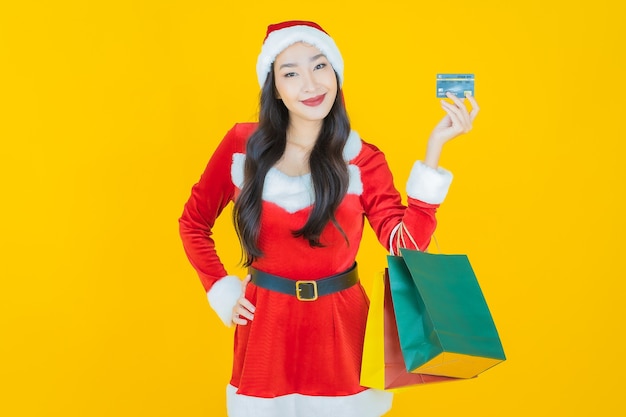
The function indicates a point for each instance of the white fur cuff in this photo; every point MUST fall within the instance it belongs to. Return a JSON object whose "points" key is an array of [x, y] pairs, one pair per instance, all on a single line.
{"points": [[223, 296], [427, 184]]}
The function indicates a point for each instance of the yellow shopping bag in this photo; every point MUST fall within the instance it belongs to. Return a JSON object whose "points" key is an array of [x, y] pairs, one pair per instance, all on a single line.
{"points": [[383, 365]]}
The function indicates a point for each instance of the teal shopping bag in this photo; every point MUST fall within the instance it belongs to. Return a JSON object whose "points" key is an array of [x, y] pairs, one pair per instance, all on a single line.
{"points": [[444, 324]]}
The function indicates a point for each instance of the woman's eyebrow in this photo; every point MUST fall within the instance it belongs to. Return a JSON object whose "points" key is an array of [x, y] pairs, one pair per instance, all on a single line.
{"points": [[291, 64]]}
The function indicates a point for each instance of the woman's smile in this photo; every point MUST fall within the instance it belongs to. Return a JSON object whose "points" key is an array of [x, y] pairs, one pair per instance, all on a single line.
{"points": [[314, 101]]}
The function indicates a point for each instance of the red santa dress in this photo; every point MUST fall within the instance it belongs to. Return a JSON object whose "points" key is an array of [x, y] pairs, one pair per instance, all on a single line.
{"points": [[300, 358]]}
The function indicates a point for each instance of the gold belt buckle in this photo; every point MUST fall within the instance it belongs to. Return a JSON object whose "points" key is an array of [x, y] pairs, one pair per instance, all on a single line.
{"points": [[299, 288]]}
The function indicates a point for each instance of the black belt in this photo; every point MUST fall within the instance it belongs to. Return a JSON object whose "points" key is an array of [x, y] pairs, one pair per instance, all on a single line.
{"points": [[305, 290]]}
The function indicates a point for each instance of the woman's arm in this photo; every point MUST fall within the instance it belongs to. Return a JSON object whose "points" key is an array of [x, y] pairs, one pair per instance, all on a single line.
{"points": [[213, 192], [412, 226], [457, 121]]}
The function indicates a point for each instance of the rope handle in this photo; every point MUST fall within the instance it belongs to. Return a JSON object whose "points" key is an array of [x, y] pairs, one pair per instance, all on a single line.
{"points": [[401, 241]]}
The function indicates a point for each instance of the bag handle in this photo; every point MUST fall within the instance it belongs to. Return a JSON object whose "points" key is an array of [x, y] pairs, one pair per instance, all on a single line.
{"points": [[401, 241]]}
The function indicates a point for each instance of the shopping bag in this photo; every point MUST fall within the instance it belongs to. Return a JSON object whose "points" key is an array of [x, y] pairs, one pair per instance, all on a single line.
{"points": [[383, 364], [444, 324]]}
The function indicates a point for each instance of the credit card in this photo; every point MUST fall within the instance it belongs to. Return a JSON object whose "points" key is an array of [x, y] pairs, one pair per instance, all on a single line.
{"points": [[458, 84]]}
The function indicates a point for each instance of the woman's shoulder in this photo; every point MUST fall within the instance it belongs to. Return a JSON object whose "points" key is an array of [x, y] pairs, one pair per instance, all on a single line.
{"points": [[235, 139], [240, 132], [366, 150], [244, 129]]}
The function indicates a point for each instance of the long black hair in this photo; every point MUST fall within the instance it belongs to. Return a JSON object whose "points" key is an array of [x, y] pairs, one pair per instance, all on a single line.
{"points": [[329, 171]]}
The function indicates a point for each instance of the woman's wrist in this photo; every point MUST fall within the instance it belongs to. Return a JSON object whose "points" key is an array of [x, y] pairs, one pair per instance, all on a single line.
{"points": [[433, 152]]}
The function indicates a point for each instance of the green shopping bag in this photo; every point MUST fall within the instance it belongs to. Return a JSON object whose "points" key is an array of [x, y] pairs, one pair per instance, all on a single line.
{"points": [[382, 366], [444, 324]]}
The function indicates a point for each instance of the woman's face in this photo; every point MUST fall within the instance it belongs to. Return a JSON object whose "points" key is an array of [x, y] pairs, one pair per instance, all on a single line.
{"points": [[305, 82]]}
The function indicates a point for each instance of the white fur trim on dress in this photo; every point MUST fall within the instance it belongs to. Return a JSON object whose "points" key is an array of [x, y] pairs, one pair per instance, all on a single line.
{"points": [[351, 150], [427, 184], [291, 193], [353, 146], [280, 40], [296, 193], [355, 185], [223, 296], [368, 403], [236, 169]]}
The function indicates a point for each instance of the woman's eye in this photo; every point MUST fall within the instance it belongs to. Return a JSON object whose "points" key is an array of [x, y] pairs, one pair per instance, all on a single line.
{"points": [[320, 66], [290, 74]]}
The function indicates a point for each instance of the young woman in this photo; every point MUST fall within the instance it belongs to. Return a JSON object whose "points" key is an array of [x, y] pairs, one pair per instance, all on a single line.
{"points": [[303, 183]]}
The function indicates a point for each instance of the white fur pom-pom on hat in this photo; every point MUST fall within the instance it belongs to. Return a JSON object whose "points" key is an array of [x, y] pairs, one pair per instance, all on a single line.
{"points": [[282, 35]]}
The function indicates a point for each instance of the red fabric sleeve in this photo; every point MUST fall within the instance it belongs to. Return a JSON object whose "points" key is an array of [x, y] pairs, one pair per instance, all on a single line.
{"points": [[213, 192], [383, 204]]}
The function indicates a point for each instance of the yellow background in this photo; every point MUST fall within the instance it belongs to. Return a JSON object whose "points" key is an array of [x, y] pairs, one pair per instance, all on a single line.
{"points": [[110, 110]]}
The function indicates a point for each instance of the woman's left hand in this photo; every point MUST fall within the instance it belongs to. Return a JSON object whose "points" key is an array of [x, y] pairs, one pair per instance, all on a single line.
{"points": [[457, 121]]}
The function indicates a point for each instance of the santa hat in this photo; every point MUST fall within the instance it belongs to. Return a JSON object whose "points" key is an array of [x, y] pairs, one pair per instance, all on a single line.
{"points": [[282, 35]]}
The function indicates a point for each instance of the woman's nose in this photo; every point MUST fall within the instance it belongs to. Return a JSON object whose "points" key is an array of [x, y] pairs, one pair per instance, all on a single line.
{"points": [[308, 81]]}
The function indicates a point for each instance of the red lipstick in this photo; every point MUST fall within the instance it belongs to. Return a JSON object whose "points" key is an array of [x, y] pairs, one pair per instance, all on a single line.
{"points": [[314, 101]]}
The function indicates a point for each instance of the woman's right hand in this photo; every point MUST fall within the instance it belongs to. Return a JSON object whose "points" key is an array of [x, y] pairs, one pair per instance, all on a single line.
{"points": [[243, 310]]}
